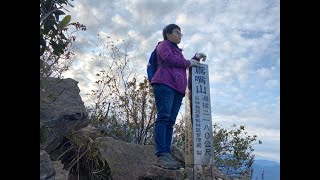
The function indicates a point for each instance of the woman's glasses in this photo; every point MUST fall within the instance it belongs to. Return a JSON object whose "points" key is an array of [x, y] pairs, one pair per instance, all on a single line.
{"points": [[178, 33]]}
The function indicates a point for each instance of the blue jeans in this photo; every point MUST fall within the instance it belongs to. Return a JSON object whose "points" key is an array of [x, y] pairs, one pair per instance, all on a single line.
{"points": [[168, 102]]}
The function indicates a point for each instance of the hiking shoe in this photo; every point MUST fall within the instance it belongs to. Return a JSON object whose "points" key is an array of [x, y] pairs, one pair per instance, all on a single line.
{"points": [[172, 159], [165, 162]]}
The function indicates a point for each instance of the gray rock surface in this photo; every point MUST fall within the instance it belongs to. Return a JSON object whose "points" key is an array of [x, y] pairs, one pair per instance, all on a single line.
{"points": [[47, 171], [62, 110], [126, 160]]}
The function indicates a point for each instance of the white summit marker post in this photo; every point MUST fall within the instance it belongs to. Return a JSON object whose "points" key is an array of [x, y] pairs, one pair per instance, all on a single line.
{"points": [[198, 123]]}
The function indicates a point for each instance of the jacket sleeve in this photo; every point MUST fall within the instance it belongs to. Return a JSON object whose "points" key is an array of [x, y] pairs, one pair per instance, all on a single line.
{"points": [[170, 57]]}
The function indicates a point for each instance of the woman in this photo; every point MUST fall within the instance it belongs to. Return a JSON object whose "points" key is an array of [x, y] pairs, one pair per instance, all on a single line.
{"points": [[169, 86]]}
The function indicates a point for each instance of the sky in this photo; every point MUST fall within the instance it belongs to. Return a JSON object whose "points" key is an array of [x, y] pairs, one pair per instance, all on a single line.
{"points": [[241, 39]]}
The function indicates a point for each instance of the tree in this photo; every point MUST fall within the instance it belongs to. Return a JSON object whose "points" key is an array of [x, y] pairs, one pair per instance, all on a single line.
{"points": [[122, 105], [179, 133], [140, 110], [55, 39], [233, 151]]}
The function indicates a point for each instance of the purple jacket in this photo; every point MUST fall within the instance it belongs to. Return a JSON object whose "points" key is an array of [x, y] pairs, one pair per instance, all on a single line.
{"points": [[172, 67]]}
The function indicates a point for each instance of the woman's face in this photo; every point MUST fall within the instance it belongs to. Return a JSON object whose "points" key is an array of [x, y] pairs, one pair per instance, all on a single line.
{"points": [[175, 36]]}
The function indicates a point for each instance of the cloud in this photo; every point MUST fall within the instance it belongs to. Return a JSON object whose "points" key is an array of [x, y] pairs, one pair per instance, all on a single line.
{"points": [[264, 72], [272, 83], [121, 21], [240, 38], [270, 147]]}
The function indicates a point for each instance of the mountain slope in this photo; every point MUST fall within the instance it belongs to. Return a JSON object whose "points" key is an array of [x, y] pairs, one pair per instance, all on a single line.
{"points": [[266, 170]]}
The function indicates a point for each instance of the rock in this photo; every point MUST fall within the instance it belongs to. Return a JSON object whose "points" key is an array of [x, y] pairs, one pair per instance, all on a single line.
{"points": [[157, 173], [126, 160], [62, 110], [47, 171], [61, 174], [178, 154]]}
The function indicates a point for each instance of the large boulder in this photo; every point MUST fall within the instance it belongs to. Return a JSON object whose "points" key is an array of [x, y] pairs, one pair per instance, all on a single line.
{"points": [[126, 160], [61, 110], [133, 161]]}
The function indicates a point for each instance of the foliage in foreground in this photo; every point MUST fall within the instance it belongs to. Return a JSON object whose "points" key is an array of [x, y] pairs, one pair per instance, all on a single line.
{"points": [[233, 151]]}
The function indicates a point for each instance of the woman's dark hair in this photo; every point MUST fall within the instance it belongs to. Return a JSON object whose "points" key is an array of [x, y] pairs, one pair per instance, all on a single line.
{"points": [[168, 29]]}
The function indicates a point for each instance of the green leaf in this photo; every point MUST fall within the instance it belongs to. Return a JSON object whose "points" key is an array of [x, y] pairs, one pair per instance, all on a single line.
{"points": [[65, 21], [47, 26], [48, 4]]}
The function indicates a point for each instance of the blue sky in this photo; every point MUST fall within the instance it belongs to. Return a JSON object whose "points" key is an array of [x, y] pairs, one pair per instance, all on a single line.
{"points": [[240, 38]]}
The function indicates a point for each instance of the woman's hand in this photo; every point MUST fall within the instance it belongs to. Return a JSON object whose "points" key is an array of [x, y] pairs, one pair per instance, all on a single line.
{"points": [[201, 55]]}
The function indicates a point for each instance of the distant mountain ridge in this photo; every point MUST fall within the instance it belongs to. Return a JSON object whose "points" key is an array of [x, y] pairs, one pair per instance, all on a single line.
{"points": [[266, 170]]}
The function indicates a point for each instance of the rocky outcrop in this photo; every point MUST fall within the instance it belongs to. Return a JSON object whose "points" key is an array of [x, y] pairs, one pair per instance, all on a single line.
{"points": [[61, 110], [132, 161]]}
